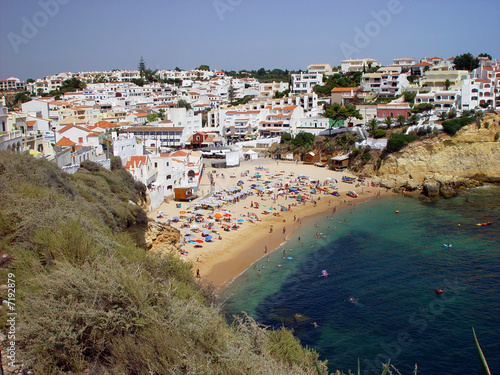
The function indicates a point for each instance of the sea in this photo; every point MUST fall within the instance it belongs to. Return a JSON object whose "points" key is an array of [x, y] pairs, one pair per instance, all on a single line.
{"points": [[379, 298]]}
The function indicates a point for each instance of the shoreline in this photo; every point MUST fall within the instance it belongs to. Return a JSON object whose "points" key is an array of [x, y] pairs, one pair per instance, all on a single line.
{"points": [[221, 261]]}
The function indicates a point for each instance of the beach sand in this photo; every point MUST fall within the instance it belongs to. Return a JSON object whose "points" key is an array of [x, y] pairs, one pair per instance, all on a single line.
{"points": [[221, 260]]}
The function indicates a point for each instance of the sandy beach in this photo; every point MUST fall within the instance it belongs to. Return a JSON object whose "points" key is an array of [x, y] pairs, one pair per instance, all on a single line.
{"points": [[261, 218]]}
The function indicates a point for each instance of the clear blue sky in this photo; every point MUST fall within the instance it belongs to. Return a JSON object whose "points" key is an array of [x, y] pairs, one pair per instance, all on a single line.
{"points": [[87, 35]]}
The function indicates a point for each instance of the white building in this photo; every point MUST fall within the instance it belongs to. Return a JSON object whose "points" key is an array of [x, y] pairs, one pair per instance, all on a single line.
{"points": [[386, 82], [404, 62], [357, 65], [304, 82], [12, 83]]}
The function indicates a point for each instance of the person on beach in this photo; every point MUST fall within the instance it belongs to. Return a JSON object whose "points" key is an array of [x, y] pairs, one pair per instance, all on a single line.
{"points": [[265, 250], [198, 273]]}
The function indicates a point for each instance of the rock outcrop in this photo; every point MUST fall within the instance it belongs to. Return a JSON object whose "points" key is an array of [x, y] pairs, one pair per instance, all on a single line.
{"points": [[442, 165], [161, 238]]}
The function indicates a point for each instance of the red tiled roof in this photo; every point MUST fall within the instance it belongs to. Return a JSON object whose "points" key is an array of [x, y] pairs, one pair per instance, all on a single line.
{"points": [[344, 89], [423, 63], [65, 142]]}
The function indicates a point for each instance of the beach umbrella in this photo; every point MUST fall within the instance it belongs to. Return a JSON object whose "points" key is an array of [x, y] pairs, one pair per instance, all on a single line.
{"points": [[240, 220], [199, 241], [188, 232], [182, 212], [200, 212], [227, 215], [208, 238], [175, 218], [205, 232], [160, 212], [217, 215], [300, 197]]}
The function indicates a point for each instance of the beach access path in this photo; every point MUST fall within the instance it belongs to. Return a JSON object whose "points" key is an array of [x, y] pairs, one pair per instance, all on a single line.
{"points": [[232, 251]]}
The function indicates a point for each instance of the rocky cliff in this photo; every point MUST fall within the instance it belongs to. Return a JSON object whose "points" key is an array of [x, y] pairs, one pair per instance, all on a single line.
{"points": [[442, 165]]}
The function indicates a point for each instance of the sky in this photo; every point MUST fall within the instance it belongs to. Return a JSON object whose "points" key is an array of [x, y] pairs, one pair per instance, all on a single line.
{"points": [[45, 37]]}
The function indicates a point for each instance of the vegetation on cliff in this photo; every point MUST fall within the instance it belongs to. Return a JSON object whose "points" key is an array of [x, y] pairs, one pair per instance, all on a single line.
{"points": [[90, 300]]}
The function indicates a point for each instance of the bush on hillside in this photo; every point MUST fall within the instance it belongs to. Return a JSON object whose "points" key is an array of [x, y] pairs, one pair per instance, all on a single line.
{"points": [[451, 127], [398, 141], [379, 133]]}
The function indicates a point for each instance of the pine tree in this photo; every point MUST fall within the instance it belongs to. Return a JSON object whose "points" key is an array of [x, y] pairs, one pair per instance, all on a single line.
{"points": [[142, 66]]}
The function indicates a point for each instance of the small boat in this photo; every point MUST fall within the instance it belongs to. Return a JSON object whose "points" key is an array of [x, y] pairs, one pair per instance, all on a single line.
{"points": [[397, 212], [448, 245], [352, 194], [439, 291]]}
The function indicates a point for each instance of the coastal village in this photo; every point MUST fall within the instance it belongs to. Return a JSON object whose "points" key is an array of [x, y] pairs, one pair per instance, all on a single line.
{"points": [[233, 163], [167, 126]]}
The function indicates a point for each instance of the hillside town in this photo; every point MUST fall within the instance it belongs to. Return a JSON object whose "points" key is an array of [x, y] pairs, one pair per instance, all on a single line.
{"points": [[166, 125]]}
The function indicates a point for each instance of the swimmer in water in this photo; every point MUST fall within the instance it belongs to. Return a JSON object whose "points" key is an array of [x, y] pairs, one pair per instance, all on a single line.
{"points": [[315, 325]]}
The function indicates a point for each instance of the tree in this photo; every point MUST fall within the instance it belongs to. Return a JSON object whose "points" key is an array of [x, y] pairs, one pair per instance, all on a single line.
{"points": [[183, 104], [161, 114], [152, 117], [285, 137], [142, 66], [485, 55], [338, 113], [373, 124], [203, 67], [401, 120], [447, 84], [231, 93], [466, 61], [413, 119], [409, 97], [303, 139], [442, 116], [422, 107], [388, 121], [30, 80]]}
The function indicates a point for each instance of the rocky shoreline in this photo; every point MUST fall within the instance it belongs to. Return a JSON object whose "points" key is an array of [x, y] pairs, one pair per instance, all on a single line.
{"points": [[445, 166]]}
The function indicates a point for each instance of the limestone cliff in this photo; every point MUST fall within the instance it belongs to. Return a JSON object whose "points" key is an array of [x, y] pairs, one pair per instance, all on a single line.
{"points": [[161, 238], [442, 164]]}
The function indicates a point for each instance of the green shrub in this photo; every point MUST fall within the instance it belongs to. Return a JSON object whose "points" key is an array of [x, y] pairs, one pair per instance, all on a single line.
{"points": [[451, 127], [379, 133], [398, 140], [497, 136], [366, 157]]}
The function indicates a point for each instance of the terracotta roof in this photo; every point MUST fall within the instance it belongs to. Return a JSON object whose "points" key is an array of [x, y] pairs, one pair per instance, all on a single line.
{"points": [[477, 80], [30, 123], [423, 63], [92, 134], [105, 124], [65, 142], [344, 89], [136, 161]]}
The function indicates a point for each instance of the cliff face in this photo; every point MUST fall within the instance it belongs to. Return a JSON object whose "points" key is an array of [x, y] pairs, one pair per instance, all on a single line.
{"points": [[161, 238], [441, 165]]}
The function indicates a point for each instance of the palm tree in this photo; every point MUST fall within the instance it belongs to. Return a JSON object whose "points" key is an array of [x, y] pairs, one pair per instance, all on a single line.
{"points": [[466, 113], [388, 121], [401, 120], [442, 116], [373, 124], [447, 84], [413, 119]]}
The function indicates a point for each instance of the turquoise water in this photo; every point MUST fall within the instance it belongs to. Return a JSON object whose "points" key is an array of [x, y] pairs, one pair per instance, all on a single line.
{"points": [[391, 265]]}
